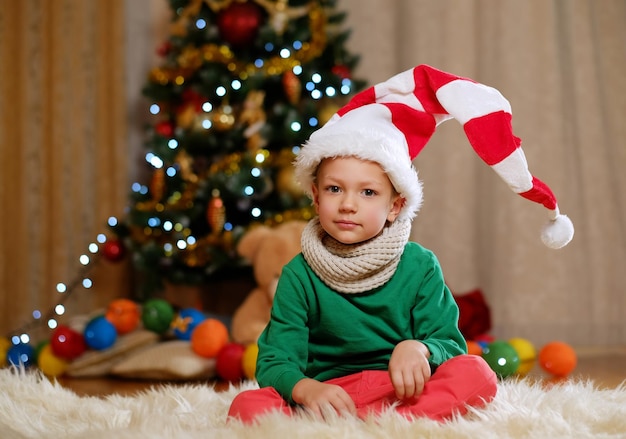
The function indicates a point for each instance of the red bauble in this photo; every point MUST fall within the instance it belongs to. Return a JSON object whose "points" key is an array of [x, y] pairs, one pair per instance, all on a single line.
{"points": [[164, 128], [164, 49], [342, 71], [67, 343], [113, 250], [239, 23], [228, 364]]}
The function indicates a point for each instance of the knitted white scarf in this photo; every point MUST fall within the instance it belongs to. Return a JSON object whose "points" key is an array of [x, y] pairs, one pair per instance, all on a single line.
{"points": [[354, 268]]}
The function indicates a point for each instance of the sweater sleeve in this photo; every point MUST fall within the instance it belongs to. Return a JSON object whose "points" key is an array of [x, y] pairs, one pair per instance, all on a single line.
{"points": [[436, 316], [283, 344]]}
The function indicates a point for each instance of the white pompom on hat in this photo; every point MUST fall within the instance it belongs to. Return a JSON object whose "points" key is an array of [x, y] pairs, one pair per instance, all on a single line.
{"points": [[391, 122]]}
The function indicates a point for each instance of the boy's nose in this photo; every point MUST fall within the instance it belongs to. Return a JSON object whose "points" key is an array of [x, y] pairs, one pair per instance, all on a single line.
{"points": [[347, 203]]}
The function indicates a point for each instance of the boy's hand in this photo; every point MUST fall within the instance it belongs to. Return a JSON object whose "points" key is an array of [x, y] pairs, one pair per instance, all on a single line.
{"points": [[409, 369], [315, 396]]}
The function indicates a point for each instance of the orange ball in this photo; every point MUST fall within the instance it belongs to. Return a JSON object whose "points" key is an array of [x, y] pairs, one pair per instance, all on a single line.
{"points": [[209, 337], [473, 348], [557, 358], [124, 315]]}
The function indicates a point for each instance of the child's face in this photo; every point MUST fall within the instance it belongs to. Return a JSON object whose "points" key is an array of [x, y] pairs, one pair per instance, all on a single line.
{"points": [[354, 199]]}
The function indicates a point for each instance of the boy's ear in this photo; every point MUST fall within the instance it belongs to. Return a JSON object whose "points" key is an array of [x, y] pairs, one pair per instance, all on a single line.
{"points": [[396, 207], [315, 194]]}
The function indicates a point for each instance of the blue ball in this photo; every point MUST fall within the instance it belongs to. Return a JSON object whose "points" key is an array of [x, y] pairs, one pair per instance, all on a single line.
{"points": [[186, 321], [21, 354], [100, 334]]}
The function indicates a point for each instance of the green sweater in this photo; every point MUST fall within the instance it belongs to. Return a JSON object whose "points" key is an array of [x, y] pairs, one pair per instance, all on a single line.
{"points": [[319, 333]]}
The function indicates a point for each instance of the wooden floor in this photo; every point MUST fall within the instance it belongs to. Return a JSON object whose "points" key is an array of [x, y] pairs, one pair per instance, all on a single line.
{"points": [[607, 369]]}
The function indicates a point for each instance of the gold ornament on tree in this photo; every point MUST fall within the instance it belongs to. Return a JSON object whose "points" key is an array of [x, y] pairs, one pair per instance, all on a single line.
{"points": [[281, 13], [157, 184], [223, 118], [216, 212], [254, 117], [292, 87]]}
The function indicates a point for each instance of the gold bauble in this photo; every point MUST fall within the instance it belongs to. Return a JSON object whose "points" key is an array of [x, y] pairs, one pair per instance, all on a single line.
{"points": [[327, 112], [223, 118], [286, 182]]}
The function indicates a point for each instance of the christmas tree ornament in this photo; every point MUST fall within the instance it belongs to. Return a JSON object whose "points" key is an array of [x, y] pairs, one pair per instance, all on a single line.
{"points": [[558, 358], [157, 315], [157, 184], [292, 87], [209, 337], [164, 128], [326, 112], [502, 358], [67, 343], [253, 117], [341, 71], [223, 118], [99, 333], [228, 363], [186, 321], [239, 23], [248, 361], [124, 314], [50, 364], [281, 13], [113, 250], [21, 354], [286, 182], [164, 49], [216, 212]]}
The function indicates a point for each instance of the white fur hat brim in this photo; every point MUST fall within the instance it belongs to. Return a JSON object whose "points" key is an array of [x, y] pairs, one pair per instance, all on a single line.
{"points": [[366, 133]]}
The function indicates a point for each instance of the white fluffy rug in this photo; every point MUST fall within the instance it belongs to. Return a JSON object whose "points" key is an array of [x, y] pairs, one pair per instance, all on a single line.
{"points": [[33, 407]]}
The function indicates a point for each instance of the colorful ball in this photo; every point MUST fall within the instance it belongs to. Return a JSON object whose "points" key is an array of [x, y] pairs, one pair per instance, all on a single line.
{"points": [[526, 353], [209, 337], [50, 364], [501, 357], [474, 348], [124, 314], [67, 343], [186, 321], [157, 315], [100, 334], [558, 358], [248, 361], [113, 250], [229, 364], [21, 354]]}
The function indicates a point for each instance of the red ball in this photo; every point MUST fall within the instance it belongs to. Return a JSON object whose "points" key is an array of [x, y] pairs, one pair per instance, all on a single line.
{"points": [[229, 364], [557, 358], [113, 250], [164, 128], [239, 23], [67, 343], [342, 71]]}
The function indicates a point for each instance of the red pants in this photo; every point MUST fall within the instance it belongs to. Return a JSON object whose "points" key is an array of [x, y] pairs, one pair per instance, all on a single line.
{"points": [[462, 381]]}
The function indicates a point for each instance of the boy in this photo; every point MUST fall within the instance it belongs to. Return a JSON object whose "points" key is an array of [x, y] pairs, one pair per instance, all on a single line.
{"points": [[362, 319]]}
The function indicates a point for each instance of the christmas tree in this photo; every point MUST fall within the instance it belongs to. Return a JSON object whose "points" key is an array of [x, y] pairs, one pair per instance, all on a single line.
{"points": [[242, 85]]}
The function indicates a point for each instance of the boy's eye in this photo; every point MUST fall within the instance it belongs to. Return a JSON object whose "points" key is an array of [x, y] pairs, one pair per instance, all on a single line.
{"points": [[332, 189], [369, 192]]}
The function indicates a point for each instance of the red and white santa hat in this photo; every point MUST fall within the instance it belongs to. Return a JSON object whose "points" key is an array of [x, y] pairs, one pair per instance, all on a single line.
{"points": [[391, 122]]}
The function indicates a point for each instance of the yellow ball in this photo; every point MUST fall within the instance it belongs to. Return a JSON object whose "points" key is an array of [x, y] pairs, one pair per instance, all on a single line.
{"points": [[5, 345], [526, 353], [49, 364], [248, 360]]}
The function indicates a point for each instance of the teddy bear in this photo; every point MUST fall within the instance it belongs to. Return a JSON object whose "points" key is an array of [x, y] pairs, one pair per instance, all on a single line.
{"points": [[268, 249]]}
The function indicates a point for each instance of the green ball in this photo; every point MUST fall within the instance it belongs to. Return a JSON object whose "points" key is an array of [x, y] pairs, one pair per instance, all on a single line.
{"points": [[157, 315], [502, 358]]}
